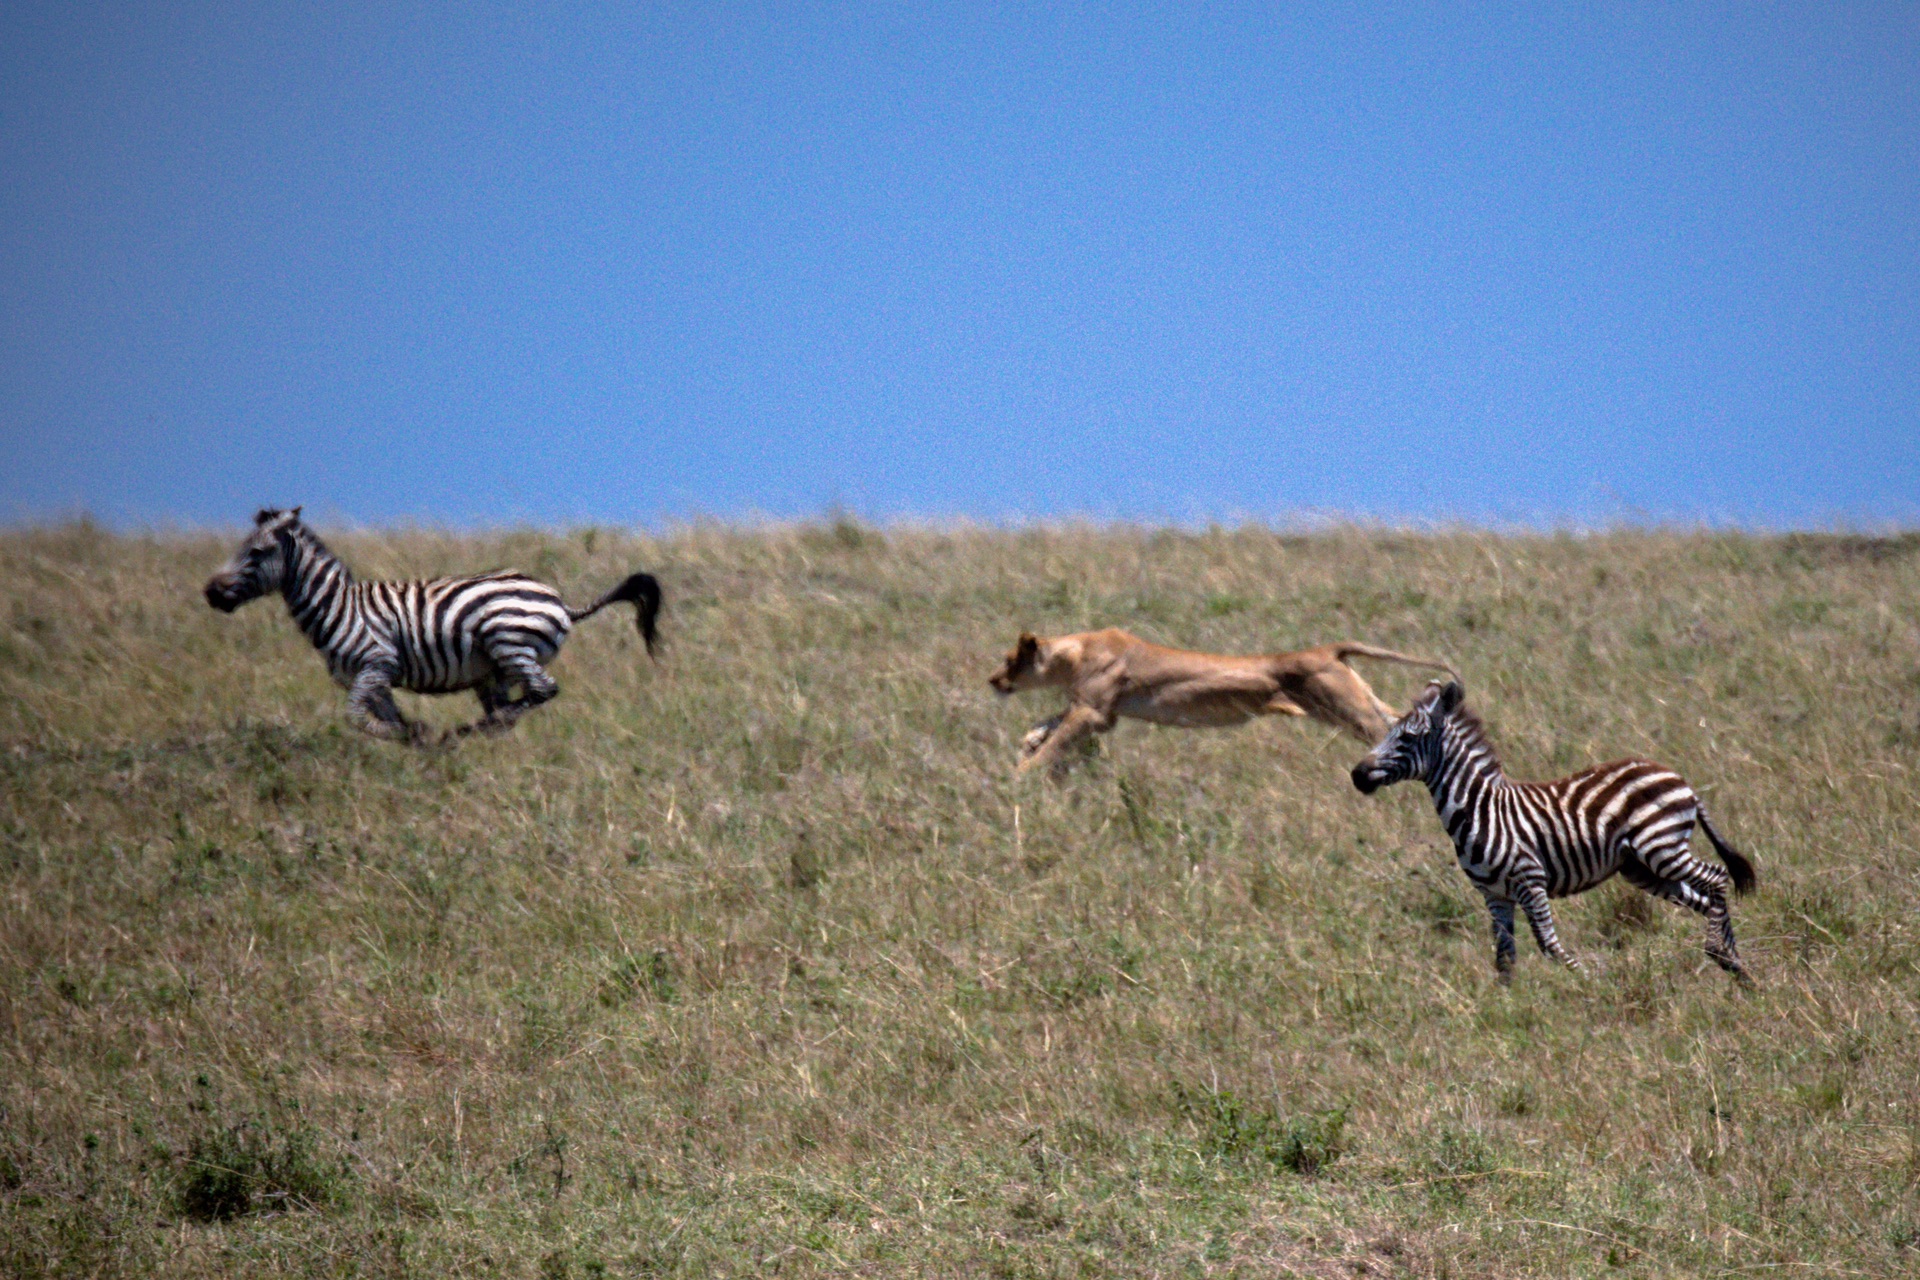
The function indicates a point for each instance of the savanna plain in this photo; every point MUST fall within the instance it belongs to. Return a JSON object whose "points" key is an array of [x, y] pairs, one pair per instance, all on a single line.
{"points": [[759, 960]]}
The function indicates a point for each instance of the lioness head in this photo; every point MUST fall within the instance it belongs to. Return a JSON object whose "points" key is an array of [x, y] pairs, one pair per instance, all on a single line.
{"points": [[1022, 670]]}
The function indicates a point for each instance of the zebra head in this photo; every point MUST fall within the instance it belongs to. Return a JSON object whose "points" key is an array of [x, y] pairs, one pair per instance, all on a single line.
{"points": [[259, 566], [1412, 746]]}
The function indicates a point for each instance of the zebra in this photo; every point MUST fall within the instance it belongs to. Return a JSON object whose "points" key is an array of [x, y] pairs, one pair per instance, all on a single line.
{"points": [[490, 632], [1525, 842]]}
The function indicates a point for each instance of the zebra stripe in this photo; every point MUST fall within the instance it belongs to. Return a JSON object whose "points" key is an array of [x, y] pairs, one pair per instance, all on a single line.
{"points": [[1521, 843], [492, 633]]}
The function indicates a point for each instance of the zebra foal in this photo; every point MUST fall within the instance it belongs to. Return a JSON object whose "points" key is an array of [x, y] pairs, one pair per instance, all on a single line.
{"points": [[1521, 843], [491, 633]]}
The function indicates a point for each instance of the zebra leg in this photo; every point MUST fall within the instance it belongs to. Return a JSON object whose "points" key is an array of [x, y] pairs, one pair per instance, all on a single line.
{"points": [[1640, 876], [514, 665], [371, 709], [1710, 883], [1533, 900], [1502, 912], [493, 696], [1702, 889]]}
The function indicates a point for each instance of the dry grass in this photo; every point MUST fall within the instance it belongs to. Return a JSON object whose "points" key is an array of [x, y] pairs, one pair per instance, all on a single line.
{"points": [[757, 960]]}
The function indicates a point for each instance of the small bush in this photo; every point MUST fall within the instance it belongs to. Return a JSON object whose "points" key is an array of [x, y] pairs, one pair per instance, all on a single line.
{"points": [[632, 976], [234, 1170], [1078, 974], [806, 869], [1459, 1153], [842, 531], [1237, 1131]]}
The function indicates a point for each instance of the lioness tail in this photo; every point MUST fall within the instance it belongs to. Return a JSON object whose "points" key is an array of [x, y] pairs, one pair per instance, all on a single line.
{"points": [[1354, 649]]}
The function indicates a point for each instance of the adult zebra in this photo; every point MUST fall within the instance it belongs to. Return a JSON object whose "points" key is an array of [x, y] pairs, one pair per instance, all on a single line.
{"points": [[489, 633], [1526, 842]]}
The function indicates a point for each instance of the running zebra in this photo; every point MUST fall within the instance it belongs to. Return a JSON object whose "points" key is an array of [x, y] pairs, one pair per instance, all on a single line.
{"points": [[1526, 842], [489, 633]]}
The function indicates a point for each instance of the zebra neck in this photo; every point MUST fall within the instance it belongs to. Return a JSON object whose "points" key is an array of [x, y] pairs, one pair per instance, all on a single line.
{"points": [[317, 585], [1467, 767]]}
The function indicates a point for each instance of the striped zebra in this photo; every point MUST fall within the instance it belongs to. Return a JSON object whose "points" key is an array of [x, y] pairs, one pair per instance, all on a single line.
{"points": [[1525, 842], [490, 633]]}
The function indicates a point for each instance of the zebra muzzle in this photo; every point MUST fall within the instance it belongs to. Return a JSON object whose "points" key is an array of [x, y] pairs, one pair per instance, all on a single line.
{"points": [[223, 596]]}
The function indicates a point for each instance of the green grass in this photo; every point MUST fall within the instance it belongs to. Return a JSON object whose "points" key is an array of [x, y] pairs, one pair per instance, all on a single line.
{"points": [[758, 960]]}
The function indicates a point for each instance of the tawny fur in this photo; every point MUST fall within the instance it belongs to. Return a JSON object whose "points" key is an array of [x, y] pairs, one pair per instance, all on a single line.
{"points": [[1108, 674]]}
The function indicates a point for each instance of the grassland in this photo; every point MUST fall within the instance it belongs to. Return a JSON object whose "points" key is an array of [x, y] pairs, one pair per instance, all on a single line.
{"points": [[758, 960]]}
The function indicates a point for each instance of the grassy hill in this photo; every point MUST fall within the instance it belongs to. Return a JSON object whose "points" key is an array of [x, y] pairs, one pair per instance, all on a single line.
{"points": [[757, 960]]}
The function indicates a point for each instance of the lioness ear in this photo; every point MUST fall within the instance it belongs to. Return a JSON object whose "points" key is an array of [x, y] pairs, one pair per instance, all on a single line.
{"points": [[1451, 695], [1029, 643]]}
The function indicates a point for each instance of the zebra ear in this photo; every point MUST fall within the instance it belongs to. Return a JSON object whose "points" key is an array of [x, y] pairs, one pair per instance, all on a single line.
{"points": [[295, 513], [1451, 696], [264, 514]]}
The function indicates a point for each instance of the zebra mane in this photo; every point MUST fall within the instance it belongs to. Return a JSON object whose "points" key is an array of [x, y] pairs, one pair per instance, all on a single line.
{"points": [[1471, 732], [299, 531]]}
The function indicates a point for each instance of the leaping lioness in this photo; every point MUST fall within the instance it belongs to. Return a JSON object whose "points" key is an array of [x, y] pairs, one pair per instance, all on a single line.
{"points": [[488, 633], [1108, 674]]}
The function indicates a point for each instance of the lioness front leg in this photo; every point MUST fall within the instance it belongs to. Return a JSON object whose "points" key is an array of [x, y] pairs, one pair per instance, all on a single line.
{"points": [[1037, 736], [1074, 725]]}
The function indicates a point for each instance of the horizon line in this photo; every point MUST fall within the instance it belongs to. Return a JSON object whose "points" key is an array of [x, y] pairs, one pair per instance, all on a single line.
{"points": [[1299, 522]]}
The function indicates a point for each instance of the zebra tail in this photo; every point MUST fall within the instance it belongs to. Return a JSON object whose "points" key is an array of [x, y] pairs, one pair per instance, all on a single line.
{"points": [[642, 591], [1737, 865]]}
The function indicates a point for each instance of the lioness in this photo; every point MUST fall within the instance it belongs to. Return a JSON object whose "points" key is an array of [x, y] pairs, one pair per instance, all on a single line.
{"points": [[1108, 674]]}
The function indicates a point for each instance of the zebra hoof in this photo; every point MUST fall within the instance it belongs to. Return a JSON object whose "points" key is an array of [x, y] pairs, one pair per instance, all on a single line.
{"points": [[1733, 965]]}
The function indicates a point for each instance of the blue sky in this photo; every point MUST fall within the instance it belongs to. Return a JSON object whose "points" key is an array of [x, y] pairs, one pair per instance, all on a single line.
{"points": [[470, 264]]}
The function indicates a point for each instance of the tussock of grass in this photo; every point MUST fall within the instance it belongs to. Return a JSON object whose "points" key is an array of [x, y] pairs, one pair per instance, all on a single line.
{"points": [[237, 1169], [757, 960], [1229, 1128]]}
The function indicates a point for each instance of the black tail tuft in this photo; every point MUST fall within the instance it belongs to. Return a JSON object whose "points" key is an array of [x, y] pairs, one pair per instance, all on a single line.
{"points": [[1738, 867], [642, 591]]}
